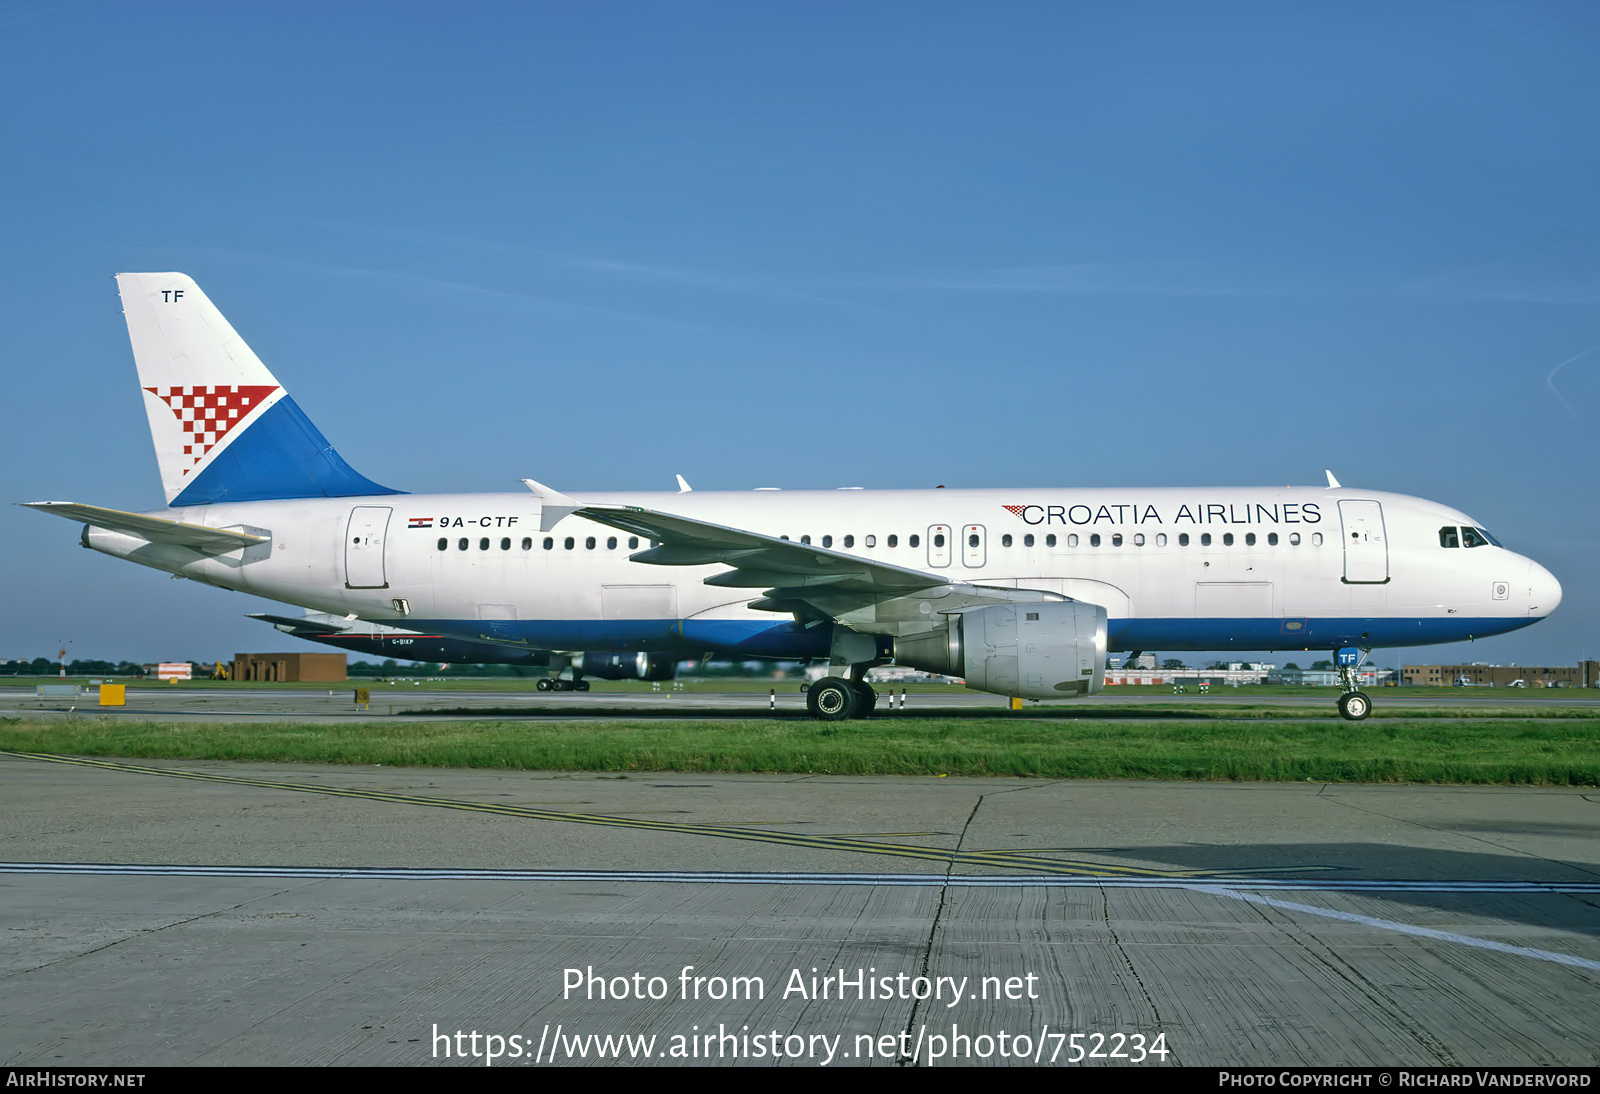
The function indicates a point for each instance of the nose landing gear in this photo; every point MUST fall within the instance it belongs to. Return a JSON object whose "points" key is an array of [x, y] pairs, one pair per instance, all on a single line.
{"points": [[1355, 704]]}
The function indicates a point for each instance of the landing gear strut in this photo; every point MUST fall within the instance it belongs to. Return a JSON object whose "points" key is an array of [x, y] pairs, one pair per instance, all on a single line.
{"points": [[1354, 704]]}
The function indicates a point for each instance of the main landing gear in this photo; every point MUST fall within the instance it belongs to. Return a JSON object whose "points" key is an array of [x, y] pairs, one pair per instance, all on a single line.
{"points": [[834, 699], [1355, 704], [556, 683]]}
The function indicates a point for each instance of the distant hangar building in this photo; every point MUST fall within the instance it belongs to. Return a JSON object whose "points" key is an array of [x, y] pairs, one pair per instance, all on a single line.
{"points": [[1586, 674], [289, 667]]}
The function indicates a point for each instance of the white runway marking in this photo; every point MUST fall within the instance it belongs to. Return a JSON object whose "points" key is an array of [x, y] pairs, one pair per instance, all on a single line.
{"points": [[1235, 893]]}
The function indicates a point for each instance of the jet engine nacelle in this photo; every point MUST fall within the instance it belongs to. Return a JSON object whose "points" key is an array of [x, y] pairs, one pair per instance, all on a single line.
{"points": [[628, 666], [1048, 650]]}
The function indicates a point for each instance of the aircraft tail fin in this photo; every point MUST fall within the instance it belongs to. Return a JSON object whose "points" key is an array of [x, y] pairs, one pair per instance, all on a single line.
{"points": [[223, 427]]}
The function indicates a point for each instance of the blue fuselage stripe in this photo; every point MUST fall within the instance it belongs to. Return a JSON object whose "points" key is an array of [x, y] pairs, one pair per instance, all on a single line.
{"points": [[787, 640]]}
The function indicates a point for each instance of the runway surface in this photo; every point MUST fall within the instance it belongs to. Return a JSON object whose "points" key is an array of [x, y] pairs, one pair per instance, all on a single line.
{"points": [[207, 912], [335, 702]]}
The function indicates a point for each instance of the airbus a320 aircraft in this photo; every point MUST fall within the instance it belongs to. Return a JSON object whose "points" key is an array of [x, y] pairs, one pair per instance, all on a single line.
{"points": [[1021, 592]]}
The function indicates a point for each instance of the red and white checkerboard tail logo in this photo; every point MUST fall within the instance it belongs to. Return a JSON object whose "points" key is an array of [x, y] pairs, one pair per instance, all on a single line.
{"points": [[195, 422]]}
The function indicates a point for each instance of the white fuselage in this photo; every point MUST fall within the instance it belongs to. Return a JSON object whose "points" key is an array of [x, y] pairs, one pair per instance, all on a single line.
{"points": [[1290, 568]]}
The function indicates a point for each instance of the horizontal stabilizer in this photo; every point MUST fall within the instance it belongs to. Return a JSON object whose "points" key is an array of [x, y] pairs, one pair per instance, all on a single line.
{"points": [[302, 625], [177, 533]]}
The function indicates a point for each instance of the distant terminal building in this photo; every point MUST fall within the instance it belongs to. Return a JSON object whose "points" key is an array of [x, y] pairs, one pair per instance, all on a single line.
{"points": [[1586, 674], [1236, 673], [289, 667], [1369, 676]]}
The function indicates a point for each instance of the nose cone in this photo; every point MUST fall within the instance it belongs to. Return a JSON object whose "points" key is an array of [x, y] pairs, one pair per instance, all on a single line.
{"points": [[1544, 591]]}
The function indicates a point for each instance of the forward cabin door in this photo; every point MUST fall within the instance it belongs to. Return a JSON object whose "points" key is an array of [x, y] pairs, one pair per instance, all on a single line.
{"points": [[1366, 552], [363, 547]]}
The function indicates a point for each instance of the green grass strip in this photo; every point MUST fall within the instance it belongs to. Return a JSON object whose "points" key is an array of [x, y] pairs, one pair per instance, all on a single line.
{"points": [[1532, 751]]}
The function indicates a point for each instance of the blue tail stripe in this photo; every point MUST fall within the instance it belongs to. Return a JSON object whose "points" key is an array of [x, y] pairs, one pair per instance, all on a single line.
{"points": [[280, 455]]}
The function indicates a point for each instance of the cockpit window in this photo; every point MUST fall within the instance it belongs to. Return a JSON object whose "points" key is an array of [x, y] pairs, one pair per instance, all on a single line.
{"points": [[1474, 537], [1449, 537]]}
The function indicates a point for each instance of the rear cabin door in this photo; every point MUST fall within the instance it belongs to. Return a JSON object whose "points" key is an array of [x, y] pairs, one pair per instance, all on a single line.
{"points": [[1366, 552], [363, 547]]}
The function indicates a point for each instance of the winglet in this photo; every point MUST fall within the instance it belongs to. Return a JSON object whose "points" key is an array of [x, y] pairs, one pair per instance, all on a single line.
{"points": [[683, 485], [555, 504], [1333, 483]]}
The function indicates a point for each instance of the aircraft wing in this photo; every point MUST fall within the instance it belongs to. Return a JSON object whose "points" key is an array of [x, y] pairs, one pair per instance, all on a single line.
{"points": [[196, 537], [788, 570]]}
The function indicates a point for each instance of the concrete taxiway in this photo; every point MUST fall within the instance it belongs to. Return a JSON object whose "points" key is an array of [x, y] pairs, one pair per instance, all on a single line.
{"points": [[335, 703], [217, 913]]}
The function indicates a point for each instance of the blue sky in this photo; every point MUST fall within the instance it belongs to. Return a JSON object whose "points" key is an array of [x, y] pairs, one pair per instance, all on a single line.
{"points": [[1041, 244]]}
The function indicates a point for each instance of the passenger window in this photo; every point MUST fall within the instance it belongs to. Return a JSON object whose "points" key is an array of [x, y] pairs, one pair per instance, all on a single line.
{"points": [[871, 541], [505, 543], [1094, 540], [1138, 539], [1316, 539], [972, 540], [894, 541], [1005, 540], [461, 544], [444, 545], [938, 540], [1027, 540], [1116, 540], [1205, 539], [1272, 539], [913, 540], [527, 543], [1161, 539], [1294, 539], [1448, 537], [568, 543], [588, 543], [549, 543], [1050, 540], [1072, 540], [1249, 539], [849, 541], [1471, 538], [806, 540], [827, 541], [483, 544], [1227, 539], [633, 542], [611, 543], [1183, 539]]}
